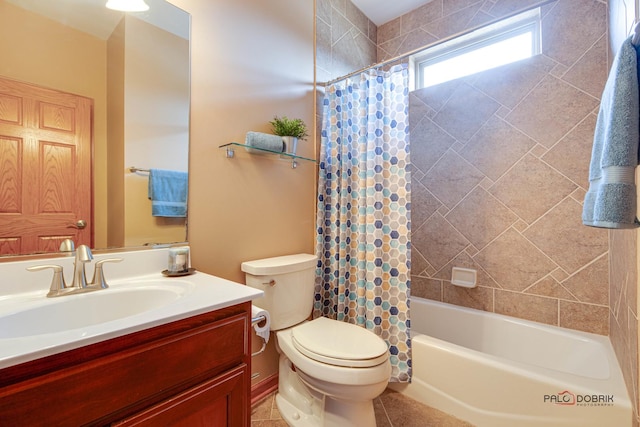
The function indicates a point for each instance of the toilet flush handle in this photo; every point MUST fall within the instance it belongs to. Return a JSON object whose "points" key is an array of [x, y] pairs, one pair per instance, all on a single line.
{"points": [[270, 283]]}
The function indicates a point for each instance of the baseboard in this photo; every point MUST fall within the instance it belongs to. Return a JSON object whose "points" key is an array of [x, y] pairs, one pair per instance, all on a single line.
{"points": [[264, 388]]}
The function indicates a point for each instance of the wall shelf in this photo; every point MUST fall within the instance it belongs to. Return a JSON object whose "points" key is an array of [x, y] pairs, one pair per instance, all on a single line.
{"points": [[231, 146]]}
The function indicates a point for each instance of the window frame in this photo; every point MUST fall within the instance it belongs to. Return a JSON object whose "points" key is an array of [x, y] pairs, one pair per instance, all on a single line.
{"points": [[522, 23]]}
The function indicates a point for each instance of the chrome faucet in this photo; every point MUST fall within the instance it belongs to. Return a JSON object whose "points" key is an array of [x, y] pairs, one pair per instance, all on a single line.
{"points": [[83, 256]]}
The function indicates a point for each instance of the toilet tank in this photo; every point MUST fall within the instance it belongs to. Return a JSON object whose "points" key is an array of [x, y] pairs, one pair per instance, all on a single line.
{"points": [[288, 284]]}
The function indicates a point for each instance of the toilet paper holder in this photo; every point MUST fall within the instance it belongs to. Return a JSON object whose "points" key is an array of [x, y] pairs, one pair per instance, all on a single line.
{"points": [[255, 321]]}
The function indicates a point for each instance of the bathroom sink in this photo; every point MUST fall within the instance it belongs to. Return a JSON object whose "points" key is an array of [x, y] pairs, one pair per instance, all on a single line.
{"points": [[52, 315]]}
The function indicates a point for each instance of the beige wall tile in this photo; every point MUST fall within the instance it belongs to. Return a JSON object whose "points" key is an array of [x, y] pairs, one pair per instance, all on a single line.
{"points": [[572, 146], [506, 7], [438, 241], [569, 30], [531, 188], [429, 142], [418, 263], [423, 203], [425, 287], [591, 284], [357, 18], [453, 23], [437, 96], [479, 298], [421, 16], [564, 239], [551, 110], [389, 30], [417, 110], [345, 39], [530, 307], [451, 179], [589, 73], [464, 113], [488, 211], [413, 40], [514, 262], [516, 80], [584, 317], [496, 136], [549, 287]]}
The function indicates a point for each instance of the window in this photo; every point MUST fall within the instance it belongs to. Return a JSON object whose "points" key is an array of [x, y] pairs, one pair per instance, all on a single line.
{"points": [[501, 43]]}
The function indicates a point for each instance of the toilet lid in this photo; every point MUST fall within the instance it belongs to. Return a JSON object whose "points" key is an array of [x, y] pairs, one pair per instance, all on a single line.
{"points": [[339, 343]]}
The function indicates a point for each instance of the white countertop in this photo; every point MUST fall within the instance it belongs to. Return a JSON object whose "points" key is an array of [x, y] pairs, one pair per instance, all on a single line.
{"points": [[199, 293]]}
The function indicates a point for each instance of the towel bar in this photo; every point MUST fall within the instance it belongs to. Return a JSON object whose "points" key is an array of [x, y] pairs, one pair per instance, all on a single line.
{"points": [[134, 169], [636, 33]]}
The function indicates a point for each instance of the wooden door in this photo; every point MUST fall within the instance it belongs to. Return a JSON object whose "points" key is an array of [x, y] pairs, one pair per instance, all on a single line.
{"points": [[45, 168]]}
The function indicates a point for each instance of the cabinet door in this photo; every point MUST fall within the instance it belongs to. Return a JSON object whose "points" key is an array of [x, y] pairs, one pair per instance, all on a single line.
{"points": [[219, 402]]}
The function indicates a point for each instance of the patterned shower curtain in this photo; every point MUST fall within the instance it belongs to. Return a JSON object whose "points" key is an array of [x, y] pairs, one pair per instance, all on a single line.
{"points": [[363, 209]]}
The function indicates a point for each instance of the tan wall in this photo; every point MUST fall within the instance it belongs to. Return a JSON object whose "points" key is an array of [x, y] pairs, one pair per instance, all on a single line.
{"points": [[115, 136], [250, 61], [31, 51], [624, 251], [156, 116]]}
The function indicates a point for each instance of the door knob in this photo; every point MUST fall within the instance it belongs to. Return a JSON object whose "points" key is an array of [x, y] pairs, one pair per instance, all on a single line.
{"points": [[80, 224]]}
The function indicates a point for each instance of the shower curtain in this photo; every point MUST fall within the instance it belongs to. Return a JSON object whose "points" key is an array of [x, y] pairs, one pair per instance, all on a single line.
{"points": [[363, 223]]}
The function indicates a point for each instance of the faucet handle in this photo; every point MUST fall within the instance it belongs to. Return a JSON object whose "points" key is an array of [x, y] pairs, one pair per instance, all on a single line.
{"points": [[58, 284], [98, 273]]}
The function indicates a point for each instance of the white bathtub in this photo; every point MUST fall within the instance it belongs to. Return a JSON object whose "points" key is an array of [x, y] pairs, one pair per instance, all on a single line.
{"points": [[494, 371]]}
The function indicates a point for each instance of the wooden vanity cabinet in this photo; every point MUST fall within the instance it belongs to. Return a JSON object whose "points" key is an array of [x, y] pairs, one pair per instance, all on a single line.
{"points": [[191, 372]]}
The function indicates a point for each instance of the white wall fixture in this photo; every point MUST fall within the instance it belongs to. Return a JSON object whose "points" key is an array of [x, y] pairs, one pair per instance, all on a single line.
{"points": [[465, 277]]}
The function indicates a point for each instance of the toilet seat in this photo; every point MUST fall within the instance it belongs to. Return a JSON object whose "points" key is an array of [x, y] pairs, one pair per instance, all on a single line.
{"points": [[339, 343]]}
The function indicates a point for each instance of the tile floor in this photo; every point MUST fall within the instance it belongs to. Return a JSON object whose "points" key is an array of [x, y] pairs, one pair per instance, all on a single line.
{"points": [[392, 410]]}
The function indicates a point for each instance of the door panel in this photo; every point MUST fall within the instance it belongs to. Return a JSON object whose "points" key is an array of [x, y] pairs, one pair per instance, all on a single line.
{"points": [[45, 168]]}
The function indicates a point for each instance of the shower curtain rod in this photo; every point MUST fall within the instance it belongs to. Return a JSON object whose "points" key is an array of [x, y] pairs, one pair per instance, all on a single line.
{"points": [[427, 46]]}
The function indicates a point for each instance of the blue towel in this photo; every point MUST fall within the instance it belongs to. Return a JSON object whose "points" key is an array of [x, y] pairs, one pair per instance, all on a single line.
{"points": [[168, 193], [611, 199]]}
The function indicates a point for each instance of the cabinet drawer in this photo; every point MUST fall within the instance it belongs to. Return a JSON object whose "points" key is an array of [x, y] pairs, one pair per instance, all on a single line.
{"points": [[219, 402], [124, 382]]}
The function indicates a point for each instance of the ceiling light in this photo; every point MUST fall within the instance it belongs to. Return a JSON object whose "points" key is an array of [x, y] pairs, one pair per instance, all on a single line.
{"points": [[128, 5]]}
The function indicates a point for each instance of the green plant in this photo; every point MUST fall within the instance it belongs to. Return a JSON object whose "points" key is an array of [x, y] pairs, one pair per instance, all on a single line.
{"points": [[284, 126]]}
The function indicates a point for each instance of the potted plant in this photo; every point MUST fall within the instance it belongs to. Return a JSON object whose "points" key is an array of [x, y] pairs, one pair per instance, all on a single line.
{"points": [[290, 130]]}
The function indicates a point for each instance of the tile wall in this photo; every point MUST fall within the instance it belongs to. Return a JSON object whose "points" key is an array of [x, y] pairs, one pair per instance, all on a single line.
{"points": [[501, 167], [345, 39], [623, 245]]}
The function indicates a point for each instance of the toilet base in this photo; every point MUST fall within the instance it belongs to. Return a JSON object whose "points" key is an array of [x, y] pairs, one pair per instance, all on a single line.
{"points": [[336, 414], [302, 406], [293, 416]]}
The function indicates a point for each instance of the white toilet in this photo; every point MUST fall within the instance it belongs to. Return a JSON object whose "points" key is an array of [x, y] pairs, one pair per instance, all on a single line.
{"points": [[329, 371]]}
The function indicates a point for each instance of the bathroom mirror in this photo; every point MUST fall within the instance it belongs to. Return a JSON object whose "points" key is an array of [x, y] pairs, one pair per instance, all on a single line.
{"points": [[134, 69]]}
